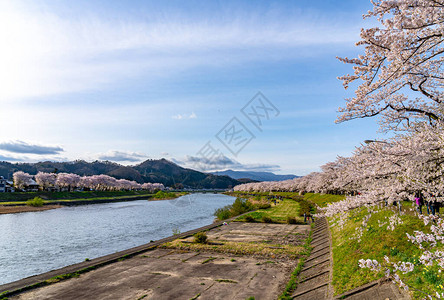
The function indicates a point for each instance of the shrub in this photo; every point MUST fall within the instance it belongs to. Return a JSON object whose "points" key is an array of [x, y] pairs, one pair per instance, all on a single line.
{"points": [[291, 220], [267, 219], [223, 213], [200, 237], [249, 218], [164, 195], [239, 207], [36, 202]]}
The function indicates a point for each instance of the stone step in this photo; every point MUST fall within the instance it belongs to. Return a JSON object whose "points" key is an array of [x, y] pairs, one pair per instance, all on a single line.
{"points": [[305, 288], [323, 248], [319, 229], [320, 237], [316, 294], [312, 277], [313, 257], [316, 269], [320, 242], [317, 260]]}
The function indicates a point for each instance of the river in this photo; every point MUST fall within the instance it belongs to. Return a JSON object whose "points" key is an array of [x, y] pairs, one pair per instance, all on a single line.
{"points": [[36, 242]]}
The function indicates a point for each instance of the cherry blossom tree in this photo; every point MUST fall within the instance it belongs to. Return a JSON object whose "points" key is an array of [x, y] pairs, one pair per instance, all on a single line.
{"points": [[152, 187], [21, 179], [67, 180], [400, 74], [46, 180]]}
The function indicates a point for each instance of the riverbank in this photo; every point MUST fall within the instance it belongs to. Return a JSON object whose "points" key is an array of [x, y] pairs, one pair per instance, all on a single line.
{"points": [[162, 270], [23, 208], [240, 256], [24, 196]]}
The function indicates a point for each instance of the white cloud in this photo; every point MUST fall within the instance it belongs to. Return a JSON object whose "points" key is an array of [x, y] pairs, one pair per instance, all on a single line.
{"points": [[23, 147], [222, 163], [184, 116], [49, 54], [123, 156]]}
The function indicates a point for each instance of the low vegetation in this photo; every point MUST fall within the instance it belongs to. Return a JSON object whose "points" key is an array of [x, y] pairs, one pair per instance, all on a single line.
{"points": [[162, 195], [293, 282], [36, 202], [279, 213], [241, 248], [239, 207], [200, 237]]}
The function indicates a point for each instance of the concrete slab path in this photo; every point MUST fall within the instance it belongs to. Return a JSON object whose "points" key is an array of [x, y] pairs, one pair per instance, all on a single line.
{"points": [[179, 274]]}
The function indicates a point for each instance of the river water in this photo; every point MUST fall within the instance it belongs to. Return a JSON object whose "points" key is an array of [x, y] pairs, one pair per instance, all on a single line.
{"points": [[36, 242]]}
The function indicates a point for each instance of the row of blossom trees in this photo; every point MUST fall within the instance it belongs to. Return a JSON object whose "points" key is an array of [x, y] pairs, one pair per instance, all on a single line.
{"points": [[388, 170], [400, 80], [69, 181]]}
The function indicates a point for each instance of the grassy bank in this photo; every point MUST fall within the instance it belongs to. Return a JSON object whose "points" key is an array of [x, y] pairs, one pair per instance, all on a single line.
{"points": [[279, 213], [355, 237], [18, 196], [61, 201], [276, 207], [322, 200]]}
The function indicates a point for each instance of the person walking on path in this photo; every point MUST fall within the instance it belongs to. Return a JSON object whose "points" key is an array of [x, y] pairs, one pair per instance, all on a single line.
{"points": [[429, 209], [435, 206], [432, 204], [419, 202], [307, 217]]}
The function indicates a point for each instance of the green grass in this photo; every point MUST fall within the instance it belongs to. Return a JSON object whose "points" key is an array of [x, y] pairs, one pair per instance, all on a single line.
{"points": [[161, 195], [322, 199], [76, 199], [208, 260], [226, 280], [376, 242], [239, 206], [277, 213], [19, 196], [36, 202]]}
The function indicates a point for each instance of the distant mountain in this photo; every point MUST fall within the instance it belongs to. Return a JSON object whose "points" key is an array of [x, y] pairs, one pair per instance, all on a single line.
{"points": [[161, 171], [256, 176]]}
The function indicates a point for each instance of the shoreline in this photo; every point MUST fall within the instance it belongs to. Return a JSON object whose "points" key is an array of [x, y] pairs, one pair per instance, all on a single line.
{"points": [[43, 279], [53, 204], [25, 208]]}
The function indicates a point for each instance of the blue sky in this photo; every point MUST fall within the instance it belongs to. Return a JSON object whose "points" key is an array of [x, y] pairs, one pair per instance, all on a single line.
{"points": [[130, 80]]}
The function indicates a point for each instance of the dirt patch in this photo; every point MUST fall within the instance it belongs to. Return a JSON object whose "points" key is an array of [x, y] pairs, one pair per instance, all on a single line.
{"points": [[25, 208]]}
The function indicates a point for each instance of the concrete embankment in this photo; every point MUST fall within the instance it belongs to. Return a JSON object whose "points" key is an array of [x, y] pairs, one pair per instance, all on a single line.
{"points": [[156, 271], [41, 279]]}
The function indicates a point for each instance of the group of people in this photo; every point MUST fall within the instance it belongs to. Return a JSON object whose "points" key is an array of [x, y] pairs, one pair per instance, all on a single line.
{"points": [[432, 206], [307, 217]]}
